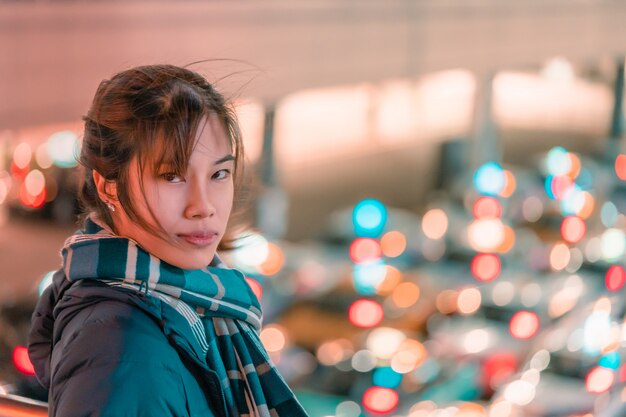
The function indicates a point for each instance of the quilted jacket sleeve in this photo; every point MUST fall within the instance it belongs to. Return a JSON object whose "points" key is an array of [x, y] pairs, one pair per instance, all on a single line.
{"points": [[113, 360]]}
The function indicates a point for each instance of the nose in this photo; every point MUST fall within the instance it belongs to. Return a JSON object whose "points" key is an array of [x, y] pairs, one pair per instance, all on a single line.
{"points": [[198, 205]]}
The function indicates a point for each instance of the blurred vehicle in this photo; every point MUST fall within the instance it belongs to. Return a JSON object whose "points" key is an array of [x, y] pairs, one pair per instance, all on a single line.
{"points": [[575, 368]]}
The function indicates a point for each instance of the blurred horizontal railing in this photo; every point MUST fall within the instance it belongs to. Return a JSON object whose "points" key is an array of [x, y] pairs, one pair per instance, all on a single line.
{"points": [[14, 406]]}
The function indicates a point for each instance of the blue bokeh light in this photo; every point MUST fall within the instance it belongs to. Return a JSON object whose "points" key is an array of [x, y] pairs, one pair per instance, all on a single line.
{"points": [[369, 217], [490, 179], [386, 377]]}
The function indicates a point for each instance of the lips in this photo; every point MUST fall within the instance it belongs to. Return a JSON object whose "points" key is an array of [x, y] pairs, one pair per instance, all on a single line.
{"points": [[201, 238]]}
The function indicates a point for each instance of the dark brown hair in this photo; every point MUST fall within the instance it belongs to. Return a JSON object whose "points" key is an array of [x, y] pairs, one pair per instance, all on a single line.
{"points": [[153, 113]]}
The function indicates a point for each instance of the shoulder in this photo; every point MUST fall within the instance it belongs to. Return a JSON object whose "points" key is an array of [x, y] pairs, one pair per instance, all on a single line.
{"points": [[113, 330], [115, 354]]}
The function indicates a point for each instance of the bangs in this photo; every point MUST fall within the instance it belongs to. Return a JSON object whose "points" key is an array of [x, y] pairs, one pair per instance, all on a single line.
{"points": [[169, 143]]}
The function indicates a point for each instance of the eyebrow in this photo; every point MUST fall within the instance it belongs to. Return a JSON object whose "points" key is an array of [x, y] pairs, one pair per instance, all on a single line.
{"points": [[224, 159]]}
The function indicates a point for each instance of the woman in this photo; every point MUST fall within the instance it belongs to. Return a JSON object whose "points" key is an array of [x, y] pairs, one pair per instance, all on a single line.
{"points": [[143, 319]]}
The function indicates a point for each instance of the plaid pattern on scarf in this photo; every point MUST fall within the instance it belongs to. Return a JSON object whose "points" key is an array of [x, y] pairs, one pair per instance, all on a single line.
{"points": [[215, 303]]}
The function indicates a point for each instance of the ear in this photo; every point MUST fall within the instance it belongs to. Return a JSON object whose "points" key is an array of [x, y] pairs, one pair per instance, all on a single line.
{"points": [[107, 190]]}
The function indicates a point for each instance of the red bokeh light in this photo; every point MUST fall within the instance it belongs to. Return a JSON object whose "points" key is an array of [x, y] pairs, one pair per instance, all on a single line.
{"points": [[524, 324], [365, 313], [599, 380], [560, 185], [365, 249], [573, 229], [487, 207], [615, 278], [256, 288], [30, 200], [380, 400], [498, 368], [22, 361], [486, 266]]}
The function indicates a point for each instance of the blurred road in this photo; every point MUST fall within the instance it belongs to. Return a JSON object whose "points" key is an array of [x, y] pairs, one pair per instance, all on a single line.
{"points": [[28, 249]]}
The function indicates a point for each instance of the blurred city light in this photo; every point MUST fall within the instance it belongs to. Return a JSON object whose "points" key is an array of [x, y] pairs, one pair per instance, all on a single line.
{"points": [[22, 361], [369, 217], [489, 179], [524, 324], [64, 147], [365, 313], [380, 400], [435, 223]]}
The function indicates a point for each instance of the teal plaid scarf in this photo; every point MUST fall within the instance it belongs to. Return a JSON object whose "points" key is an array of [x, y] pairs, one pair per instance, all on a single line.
{"points": [[215, 303]]}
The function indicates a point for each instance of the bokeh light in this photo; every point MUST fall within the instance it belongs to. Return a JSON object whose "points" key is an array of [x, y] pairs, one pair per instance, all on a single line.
{"points": [[468, 301], [368, 276], [364, 361], [22, 154], [22, 361], [435, 223], [369, 217], [256, 287], [620, 166], [274, 337], [509, 184], [486, 267], [613, 244], [558, 161], [524, 324], [485, 235], [63, 148], [489, 179], [365, 313], [559, 256], [380, 400], [487, 207], [364, 250], [334, 351], [405, 294], [615, 278], [519, 392], [384, 341], [393, 243], [386, 377], [573, 229], [274, 261], [252, 251], [599, 380]]}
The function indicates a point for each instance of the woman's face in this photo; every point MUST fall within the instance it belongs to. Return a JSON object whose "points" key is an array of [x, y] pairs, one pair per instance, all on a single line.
{"points": [[192, 209]]}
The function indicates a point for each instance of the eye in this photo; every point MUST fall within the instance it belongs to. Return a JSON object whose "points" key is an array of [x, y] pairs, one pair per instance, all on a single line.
{"points": [[221, 174], [171, 177]]}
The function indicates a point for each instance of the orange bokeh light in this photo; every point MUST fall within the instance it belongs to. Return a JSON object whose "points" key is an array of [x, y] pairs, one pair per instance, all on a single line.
{"points": [[573, 229], [620, 166], [393, 243], [274, 261]]}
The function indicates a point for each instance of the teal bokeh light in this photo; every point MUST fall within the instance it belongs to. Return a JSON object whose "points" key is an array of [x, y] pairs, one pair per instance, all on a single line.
{"points": [[368, 276], [558, 161], [369, 217], [489, 179], [611, 360], [386, 377]]}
